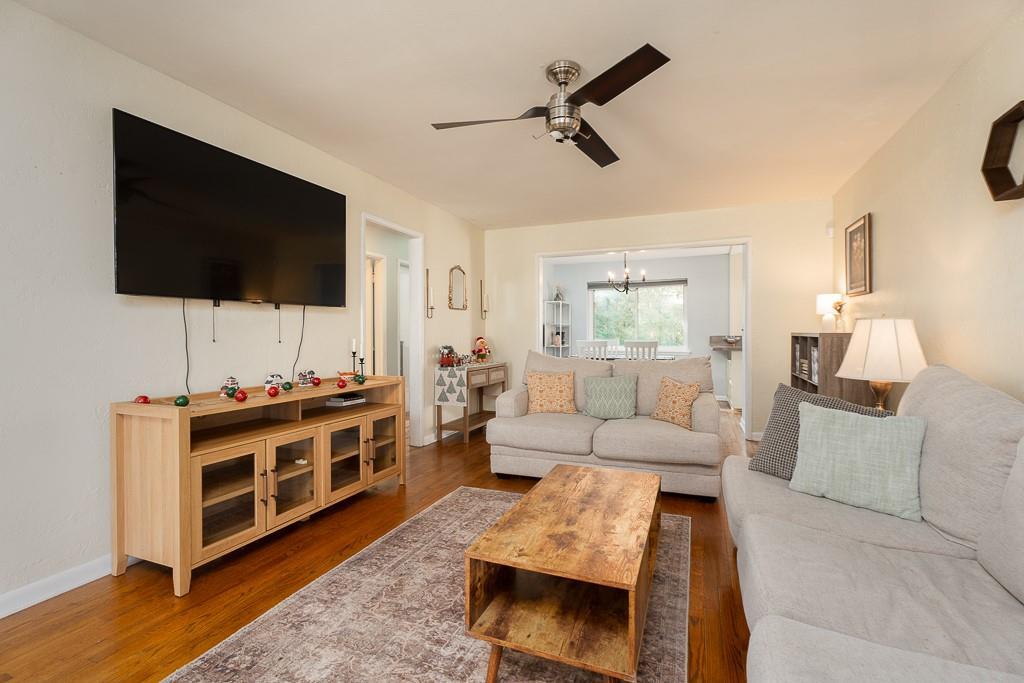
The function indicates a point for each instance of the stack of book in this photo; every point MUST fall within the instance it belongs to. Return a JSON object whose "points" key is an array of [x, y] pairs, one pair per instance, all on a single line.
{"points": [[345, 400]]}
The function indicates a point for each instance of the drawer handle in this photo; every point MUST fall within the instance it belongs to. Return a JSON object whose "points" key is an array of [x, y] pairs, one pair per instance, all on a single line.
{"points": [[263, 487], [274, 494]]}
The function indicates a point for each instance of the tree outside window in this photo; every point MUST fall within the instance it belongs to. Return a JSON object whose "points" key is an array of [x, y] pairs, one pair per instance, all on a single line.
{"points": [[654, 312]]}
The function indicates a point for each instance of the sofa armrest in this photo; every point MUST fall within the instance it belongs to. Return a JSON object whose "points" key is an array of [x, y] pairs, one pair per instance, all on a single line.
{"points": [[512, 403], [706, 414]]}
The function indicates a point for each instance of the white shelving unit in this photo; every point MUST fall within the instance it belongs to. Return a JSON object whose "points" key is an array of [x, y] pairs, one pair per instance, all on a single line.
{"points": [[557, 328]]}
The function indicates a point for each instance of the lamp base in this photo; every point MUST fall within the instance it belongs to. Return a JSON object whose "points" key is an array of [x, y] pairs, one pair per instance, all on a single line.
{"points": [[881, 391]]}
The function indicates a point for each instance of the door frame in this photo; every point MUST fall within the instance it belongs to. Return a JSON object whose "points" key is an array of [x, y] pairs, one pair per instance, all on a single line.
{"points": [[417, 321], [378, 346]]}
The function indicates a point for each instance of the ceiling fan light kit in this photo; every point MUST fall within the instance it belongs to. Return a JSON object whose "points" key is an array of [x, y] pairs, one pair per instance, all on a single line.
{"points": [[563, 119]]}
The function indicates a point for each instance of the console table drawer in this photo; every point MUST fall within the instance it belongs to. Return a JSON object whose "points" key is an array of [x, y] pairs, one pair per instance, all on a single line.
{"points": [[496, 375], [478, 378]]}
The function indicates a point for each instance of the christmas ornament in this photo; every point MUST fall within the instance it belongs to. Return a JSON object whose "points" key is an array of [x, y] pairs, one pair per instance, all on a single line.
{"points": [[287, 386], [359, 379], [306, 378], [229, 383], [231, 392], [315, 381], [272, 391], [142, 398], [240, 395], [342, 384], [273, 380], [181, 401]]}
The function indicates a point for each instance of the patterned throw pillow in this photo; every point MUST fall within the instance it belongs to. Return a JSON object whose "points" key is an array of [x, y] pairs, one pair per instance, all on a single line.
{"points": [[675, 402], [611, 398], [776, 454], [550, 392]]}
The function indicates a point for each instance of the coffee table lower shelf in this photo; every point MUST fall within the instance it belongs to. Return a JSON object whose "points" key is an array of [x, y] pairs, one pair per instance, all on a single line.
{"points": [[577, 623]]}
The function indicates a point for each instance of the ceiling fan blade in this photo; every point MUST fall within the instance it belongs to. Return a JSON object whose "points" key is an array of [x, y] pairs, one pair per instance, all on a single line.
{"points": [[593, 146], [619, 78], [532, 113]]}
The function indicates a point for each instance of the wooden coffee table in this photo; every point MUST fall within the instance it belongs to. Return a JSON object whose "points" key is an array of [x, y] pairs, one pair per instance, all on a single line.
{"points": [[566, 573]]}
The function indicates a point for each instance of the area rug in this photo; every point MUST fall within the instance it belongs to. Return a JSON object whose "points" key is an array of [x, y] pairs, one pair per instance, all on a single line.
{"points": [[394, 612]]}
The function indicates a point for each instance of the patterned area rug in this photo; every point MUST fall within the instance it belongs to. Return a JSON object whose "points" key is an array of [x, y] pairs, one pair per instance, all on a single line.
{"points": [[394, 612]]}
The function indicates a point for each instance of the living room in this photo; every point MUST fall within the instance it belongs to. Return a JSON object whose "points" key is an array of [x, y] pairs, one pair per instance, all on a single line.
{"points": [[849, 173]]}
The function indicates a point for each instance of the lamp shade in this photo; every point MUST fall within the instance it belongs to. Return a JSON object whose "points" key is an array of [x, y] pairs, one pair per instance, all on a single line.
{"points": [[883, 350], [826, 302]]}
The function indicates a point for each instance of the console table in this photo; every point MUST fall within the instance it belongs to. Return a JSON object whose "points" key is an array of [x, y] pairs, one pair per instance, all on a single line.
{"points": [[193, 483], [453, 386]]}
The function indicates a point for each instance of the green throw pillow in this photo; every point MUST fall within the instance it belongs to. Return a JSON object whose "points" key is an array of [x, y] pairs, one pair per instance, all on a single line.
{"points": [[868, 462], [610, 398]]}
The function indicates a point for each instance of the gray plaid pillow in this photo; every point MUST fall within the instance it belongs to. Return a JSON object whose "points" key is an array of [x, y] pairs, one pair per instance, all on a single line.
{"points": [[776, 454]]}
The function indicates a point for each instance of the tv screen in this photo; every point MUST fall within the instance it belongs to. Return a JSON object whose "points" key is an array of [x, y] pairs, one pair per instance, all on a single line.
{"points": [[195, 221]]}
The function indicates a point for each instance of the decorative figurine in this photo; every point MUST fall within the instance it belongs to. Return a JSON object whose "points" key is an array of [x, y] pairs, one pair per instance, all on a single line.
{"points": [[447, 356], [273, 391], [359, 379], [240, 395], [315, 381], [231, 392], [287, 386], [306, 378], [142, 398], [481, 349], [181, 401], [342, 383], [273, 380], [229, 383]]}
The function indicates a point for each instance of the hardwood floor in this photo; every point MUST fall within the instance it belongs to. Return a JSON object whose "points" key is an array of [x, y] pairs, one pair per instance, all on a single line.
{"points": [[133, 628]]}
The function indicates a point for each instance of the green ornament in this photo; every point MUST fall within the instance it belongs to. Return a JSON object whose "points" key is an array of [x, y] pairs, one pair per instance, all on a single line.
{"points": [[359, 379], [287, 386], [181, 401], [231, 391]]}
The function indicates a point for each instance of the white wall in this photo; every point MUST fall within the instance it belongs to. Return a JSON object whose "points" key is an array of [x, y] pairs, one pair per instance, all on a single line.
{"points": [[70, 346], [707, 297], [789, 264], [737, 320], [394, 247], [945, 253]]}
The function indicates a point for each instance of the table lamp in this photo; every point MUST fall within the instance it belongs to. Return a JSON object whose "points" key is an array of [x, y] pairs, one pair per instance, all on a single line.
{"points": [[830, 307], [883, 351]]}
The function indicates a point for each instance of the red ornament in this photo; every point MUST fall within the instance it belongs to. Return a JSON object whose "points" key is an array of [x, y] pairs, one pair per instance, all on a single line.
{"points": [[342, 384], [142, 398], [315, 381], [272, 391], [240, 395]]}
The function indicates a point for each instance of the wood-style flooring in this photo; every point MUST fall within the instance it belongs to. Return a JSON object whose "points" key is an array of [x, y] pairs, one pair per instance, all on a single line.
{"points": [[132, 628]]}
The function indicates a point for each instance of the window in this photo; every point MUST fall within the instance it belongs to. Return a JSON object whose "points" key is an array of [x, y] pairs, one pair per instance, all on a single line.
{"points": [[655, 311]]}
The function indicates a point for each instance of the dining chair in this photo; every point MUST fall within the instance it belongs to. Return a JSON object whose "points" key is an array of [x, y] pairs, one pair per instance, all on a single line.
{"points": [[595, 349], [640, 350]]}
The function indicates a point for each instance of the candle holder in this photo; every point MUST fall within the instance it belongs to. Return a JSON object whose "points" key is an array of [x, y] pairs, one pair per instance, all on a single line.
{"points": [[428, 294], [353, 362], [362, 366], [483, 302]]}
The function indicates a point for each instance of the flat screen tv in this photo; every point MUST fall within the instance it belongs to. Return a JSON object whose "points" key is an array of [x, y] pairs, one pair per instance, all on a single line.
{"points": [[195, 221]]}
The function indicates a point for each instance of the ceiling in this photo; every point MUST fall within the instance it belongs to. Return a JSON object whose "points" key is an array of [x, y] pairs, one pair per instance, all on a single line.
{"points": [[762, 101]]}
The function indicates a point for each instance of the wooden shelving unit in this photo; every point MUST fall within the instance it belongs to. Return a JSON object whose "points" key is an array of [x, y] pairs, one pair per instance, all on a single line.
{"points": [[193, 483], [815, 358]]}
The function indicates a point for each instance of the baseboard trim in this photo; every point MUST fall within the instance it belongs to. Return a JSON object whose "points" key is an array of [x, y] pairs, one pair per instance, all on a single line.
{"points": [[51, 586], [756, 436]]}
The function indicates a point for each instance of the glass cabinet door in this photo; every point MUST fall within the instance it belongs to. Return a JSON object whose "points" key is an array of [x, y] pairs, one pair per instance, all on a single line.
{"points": [[384, 444], [292, 468], [344, 443], [229, 495]]}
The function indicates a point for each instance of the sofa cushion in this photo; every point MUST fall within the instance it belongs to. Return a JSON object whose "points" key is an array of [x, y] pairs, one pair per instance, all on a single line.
{"points": [[550, 392], [550, 432], [749, 493], [970, 446], [934, 604], [675, 403], [777, 452], [647, 440], [581, 369], [786, 651], [858, 460], [1001, 550], [649, 373], [610, 398]]}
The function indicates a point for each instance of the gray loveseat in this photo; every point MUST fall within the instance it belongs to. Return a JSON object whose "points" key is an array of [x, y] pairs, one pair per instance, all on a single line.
{"points": [[838, 593], [688, 461]]}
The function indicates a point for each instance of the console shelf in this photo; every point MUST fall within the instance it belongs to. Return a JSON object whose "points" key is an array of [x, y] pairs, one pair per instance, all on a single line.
{"points": [[191, 484]]}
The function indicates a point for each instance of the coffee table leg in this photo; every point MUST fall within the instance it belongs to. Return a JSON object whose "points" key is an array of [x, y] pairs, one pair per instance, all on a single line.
{"points": [[492, 666]]}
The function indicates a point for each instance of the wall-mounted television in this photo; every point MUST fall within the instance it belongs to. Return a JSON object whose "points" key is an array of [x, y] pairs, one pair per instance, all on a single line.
{"points": [[195, 221]]}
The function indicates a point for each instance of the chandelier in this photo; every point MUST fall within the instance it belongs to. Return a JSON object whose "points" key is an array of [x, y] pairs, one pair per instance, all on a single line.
{"points": [[623, 285]]}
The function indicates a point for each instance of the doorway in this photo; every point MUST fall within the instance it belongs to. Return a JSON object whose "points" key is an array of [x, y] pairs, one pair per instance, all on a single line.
{"points": [[376, 308]]}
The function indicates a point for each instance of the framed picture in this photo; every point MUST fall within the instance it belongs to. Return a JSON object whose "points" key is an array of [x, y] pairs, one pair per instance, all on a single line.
{"points": [[858, 257]]}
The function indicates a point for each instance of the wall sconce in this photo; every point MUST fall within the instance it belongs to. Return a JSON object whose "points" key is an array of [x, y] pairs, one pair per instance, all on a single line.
{"points": [[430, 296], [485, 302]]}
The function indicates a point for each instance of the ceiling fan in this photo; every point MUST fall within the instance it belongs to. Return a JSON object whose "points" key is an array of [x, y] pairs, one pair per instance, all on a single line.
{"points": [[562, 112]]}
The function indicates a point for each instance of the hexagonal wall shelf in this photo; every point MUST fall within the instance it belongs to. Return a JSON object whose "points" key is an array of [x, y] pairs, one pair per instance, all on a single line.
{"points": [[996, 167]]}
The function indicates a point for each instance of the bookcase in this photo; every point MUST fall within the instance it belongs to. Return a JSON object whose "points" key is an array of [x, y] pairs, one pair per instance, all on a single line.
{"points": [[815, 358], [557, 328]]}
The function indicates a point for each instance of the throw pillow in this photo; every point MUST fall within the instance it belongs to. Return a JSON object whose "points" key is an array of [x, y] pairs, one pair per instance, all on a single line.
{"points": [[867, 462], [777, 453], [675, 402], [611, 398], [550, 392]]}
